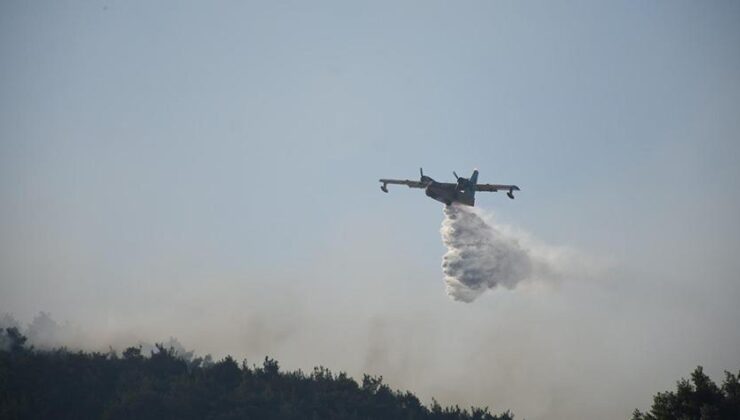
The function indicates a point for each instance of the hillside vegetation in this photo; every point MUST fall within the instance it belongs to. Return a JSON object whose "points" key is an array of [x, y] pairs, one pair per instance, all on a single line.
{"points": [[59, 384], [700, 399]]}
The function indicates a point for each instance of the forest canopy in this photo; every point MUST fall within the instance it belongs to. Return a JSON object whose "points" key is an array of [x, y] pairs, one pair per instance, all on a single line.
{"points": [[163, 383], [62, 384], [700, 398]]}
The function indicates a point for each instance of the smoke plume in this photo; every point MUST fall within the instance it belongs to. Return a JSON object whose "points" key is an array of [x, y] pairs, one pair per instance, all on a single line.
{"points": [[479, 256]]}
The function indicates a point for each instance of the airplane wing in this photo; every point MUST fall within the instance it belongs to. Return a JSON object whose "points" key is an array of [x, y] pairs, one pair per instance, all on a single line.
{"points": [[409, 183], [495, 187]]}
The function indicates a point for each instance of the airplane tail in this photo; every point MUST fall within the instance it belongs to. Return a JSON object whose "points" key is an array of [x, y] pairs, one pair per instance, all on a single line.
{"points": [[468, 196], [474, 177]]}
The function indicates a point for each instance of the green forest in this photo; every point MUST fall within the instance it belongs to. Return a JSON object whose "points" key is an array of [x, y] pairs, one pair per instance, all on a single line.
{"points": [[63, 384], [699, 398]]}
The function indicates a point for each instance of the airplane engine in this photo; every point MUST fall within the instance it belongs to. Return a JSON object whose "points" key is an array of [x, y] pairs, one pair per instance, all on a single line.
{"points": [[510, 194]]}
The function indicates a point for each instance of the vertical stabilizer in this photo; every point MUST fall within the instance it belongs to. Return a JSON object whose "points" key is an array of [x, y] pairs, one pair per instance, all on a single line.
{"points": [[468, 192]]}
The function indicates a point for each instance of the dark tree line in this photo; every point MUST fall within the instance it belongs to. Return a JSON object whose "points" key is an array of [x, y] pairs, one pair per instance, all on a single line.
{"points": [[697, 399], [60, 384]]}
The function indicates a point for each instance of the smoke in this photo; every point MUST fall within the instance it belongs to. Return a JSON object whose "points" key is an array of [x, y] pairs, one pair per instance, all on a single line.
{"points": [[482, 256]]}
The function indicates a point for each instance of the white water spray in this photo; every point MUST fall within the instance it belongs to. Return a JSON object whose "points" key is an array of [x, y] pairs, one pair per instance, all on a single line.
{"points": [[479, 256]]}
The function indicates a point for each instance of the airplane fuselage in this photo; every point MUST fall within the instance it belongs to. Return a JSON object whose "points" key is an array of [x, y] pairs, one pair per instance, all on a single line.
{"points": [[448, 194]]}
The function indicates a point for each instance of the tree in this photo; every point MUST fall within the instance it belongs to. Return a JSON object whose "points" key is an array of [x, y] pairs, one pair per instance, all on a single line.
{"points": [[699, 399]]}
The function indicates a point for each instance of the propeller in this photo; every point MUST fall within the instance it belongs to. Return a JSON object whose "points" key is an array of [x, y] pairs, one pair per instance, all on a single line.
{"points": [[456, 177], [424, 179]]}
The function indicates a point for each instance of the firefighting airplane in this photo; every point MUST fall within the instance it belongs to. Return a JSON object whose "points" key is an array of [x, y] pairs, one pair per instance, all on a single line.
{"points": [[462, 192]]}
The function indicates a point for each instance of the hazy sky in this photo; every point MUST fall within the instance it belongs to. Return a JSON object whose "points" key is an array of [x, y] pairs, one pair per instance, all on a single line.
{"points": [[208, 170]]}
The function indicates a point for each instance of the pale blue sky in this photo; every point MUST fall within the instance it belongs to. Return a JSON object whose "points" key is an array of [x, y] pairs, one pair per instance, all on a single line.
{"points": [[179, 142]]}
